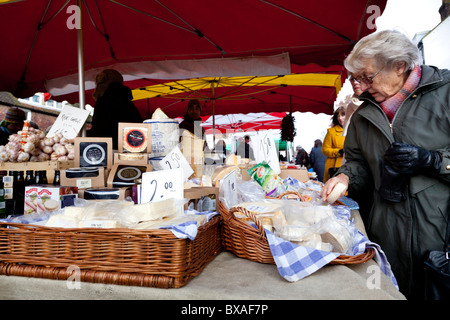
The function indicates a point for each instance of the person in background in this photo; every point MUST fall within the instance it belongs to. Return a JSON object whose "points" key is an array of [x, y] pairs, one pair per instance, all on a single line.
{"points": [[12, 123], [352, 105], [301, 157], [399, 140], [363, 196], [245, 150], [113, 105], [333, 143], [220, 150], [192, 120], [317, 159]]}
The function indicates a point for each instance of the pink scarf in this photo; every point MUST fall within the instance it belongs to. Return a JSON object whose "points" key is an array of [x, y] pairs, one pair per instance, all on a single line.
{"points": [[391, 105]]}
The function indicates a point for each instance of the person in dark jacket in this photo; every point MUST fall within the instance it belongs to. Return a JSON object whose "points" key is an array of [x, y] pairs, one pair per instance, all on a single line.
{"points": [[317, 159], [245, 150], [398, 141], [192, 120], [113, 105], [301, 158], [12, 123]]}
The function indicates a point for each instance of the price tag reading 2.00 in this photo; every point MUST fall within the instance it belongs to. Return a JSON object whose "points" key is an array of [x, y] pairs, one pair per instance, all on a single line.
{"points": [[161, 185]]}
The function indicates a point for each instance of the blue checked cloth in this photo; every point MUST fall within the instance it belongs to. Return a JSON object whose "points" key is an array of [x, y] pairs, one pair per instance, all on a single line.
{"points": [[188, 230], [296, 262]]}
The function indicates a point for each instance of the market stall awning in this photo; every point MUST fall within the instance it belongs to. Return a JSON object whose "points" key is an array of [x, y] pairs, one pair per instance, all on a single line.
{"points": [[171, 39]]}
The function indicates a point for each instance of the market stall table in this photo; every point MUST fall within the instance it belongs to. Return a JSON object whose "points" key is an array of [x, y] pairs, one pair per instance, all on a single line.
{"points": [[226, 277]]}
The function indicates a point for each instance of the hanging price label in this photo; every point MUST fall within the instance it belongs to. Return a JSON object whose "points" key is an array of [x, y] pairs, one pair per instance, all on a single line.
{"points": [[229, 188], [162, 185], [175, 160], [267, 151]]}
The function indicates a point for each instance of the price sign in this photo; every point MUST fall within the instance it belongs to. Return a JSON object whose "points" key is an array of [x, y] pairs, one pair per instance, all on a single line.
{"points": [[161, 185], [175, 160], [69, 122], [229, 188], [267, 151]]}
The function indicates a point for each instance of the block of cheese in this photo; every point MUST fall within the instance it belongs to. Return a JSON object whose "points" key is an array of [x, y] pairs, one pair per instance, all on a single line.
{"points": [[159, 114], [268, 213], [336, 192], [221, 172], [74, 212], [62, 221], [301, 236], [231, 160], [150, 211], [192, 149]]}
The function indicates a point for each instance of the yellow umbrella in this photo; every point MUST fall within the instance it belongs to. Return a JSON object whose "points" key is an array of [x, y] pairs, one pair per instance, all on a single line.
{"points": [[193, 87]]}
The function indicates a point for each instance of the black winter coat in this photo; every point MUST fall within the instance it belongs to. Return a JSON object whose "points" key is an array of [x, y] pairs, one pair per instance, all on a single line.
{"points": [[113, 107]]}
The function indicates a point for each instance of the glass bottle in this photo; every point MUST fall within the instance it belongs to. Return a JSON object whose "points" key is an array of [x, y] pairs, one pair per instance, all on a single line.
{"points": [[37, 177], [29, 178], [57, 178], [19, 192], [2, 198], [44, 176]]}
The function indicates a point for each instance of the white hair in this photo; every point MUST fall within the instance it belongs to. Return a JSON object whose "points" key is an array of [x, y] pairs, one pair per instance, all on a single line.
{"points": [[387, 48]]}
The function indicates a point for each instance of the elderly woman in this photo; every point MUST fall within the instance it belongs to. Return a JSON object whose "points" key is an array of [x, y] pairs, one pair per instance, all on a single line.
{"points": [[399, 141]]}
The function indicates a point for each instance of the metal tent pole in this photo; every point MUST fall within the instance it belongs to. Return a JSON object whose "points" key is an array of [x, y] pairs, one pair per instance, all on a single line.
{"points": [[80, 55]]}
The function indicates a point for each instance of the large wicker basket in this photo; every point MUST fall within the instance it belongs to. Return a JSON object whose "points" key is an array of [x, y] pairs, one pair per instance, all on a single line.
{"points": [[248, 242], [153, 258]]}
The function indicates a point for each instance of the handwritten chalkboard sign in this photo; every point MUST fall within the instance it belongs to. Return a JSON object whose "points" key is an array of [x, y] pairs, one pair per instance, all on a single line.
{"points": [[69, 122]]}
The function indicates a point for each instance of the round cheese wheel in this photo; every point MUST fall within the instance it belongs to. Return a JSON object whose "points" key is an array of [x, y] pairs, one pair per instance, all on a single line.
{"points": [[336, 192]]}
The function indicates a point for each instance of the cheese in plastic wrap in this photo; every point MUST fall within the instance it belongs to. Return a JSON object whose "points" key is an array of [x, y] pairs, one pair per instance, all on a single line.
{"points": [[266, 177]]}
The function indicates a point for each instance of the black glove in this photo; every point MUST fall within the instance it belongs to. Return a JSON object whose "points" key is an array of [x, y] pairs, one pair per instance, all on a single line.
{"points": [[409, 159], [393, 184], [341, 152]]}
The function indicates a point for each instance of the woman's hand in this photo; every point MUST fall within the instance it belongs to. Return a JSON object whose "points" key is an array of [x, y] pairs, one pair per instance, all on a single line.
{"points": [[330, 184]]}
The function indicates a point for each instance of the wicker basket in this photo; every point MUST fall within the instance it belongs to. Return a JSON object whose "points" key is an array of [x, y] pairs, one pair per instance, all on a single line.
{"points": [[248, 242], [154, 258]]}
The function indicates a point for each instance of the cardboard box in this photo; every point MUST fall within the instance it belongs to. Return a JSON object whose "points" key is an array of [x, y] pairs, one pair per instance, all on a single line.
{"points": [[198, 198], [96, 180], [125, 175], [93, 152], [299, 174], [135, 137], [47, 198], [48, 166]]}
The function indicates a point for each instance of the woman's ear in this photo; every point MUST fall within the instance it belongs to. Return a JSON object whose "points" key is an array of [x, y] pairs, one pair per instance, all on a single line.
{"points": [[400, 67]]}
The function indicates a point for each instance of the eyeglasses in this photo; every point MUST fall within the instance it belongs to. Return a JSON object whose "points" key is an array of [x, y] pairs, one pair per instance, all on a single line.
{"points": [[366, 80]]}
